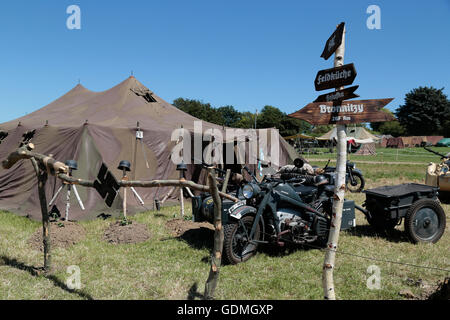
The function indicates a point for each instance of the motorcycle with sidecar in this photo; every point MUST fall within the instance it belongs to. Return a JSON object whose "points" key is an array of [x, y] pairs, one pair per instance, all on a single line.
{"points": [[276, 210]]}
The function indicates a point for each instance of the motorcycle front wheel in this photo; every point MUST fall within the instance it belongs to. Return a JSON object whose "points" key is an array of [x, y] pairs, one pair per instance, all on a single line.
{"points": [[236, 243], [358, 183]]}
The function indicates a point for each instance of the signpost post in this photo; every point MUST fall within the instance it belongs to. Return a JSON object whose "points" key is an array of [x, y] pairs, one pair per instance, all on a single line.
{"points": [[331, 108]]}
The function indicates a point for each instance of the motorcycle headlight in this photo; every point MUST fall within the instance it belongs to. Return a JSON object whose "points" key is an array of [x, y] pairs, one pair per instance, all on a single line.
{"points": [[247, 191], [352, 165]]}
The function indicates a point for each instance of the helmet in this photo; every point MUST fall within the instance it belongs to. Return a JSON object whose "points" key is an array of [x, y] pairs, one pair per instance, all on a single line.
{"points": [[320, 179]]}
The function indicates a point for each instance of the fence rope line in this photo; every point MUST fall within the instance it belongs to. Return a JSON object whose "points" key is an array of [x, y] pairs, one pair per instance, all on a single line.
{"points": [[370, 258]]}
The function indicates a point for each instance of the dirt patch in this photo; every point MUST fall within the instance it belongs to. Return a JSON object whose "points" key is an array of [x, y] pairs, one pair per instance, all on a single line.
{"points": [[62, 235], [178, 227], [130, 233]]}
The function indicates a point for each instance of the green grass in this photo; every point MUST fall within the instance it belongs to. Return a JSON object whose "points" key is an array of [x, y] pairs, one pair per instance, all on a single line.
{"points": [[418, 155], [169, 268]]}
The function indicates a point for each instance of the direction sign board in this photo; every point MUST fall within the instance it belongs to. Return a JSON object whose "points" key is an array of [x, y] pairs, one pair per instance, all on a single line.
{"points": [[333, 42], [335, 77], [344, 112], [338, 95]]}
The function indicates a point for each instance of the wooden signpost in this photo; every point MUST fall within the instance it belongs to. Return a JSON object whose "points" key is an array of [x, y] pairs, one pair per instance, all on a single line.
{"points": [[333, 42], [344, 112], [334, 108], [338, 95], [335, 77]]}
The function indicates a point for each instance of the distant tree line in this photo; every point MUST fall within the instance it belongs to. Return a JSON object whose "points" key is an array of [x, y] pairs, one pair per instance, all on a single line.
{"points": [[268, 117], [426, 111]]}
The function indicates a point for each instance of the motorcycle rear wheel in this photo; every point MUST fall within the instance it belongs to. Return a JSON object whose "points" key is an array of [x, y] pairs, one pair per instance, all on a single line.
{"points": [[236, 245], [359, 184]]}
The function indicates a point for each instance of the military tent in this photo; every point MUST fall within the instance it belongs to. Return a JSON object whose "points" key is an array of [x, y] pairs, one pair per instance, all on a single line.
{"points": [[383, 140], [358, 137], [432, 140], [395, 143], [443, 142], [100, 127]]}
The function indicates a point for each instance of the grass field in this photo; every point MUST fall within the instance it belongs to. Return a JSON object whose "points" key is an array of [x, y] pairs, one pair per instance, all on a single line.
{"points": [[166, 267], [419, 155]]}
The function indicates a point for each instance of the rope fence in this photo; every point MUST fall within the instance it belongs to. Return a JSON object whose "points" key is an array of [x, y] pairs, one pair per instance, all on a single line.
{"points": [[371, 258]]}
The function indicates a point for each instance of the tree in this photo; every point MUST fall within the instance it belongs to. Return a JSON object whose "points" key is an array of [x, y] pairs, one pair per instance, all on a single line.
{"points": [[270, 117], [425, 112], [394, 128], [292, 126], [229, 115], [247, 120], [321, 130], [200, 110], [376, 125]]}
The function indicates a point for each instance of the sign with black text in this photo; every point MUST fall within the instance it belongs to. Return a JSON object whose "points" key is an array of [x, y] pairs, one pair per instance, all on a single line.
{"points": [[338, 95], [335, 77], [333, 42]]}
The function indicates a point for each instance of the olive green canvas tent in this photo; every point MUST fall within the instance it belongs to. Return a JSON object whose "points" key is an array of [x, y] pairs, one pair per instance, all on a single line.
{"points": [[100, 127]]}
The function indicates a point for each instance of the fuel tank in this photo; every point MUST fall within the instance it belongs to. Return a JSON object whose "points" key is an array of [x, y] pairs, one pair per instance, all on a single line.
{"points": [[285, 189]]}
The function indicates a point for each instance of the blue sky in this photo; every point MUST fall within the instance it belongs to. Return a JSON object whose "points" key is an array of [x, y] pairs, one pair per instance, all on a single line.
{"points": [[244, 53]]}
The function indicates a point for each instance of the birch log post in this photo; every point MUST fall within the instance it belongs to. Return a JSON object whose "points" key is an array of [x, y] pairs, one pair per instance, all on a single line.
{"points": [[167, 195], [339, 193], [216, 258], [42, 179], [181, 202], [225, 182]]}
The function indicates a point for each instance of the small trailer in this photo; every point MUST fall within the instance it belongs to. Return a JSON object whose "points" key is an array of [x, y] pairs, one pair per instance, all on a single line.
{"points": [[418, 204]]}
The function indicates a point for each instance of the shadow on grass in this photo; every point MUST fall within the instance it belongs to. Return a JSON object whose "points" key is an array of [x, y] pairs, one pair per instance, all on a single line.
{"points": [[37, 272], [273, 250], [444, 197], [193, 293], [199, 238], [393, 235], [159, 215]]}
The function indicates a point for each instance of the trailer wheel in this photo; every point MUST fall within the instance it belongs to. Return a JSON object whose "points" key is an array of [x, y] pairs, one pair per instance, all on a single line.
{"points": [[425, 221]]}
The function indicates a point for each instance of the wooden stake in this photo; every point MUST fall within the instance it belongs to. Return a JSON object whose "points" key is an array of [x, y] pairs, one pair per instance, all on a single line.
{"points": [[124, 203], [225, 182], [216, 258], [339, 193], [189, 192], [167, 195], [182, 201], [42, 179]]}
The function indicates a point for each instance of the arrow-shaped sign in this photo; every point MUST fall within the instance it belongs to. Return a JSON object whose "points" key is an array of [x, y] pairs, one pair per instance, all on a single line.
{"points": [[345, 112], [333, 42], [338, 95], [335, 77]]}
